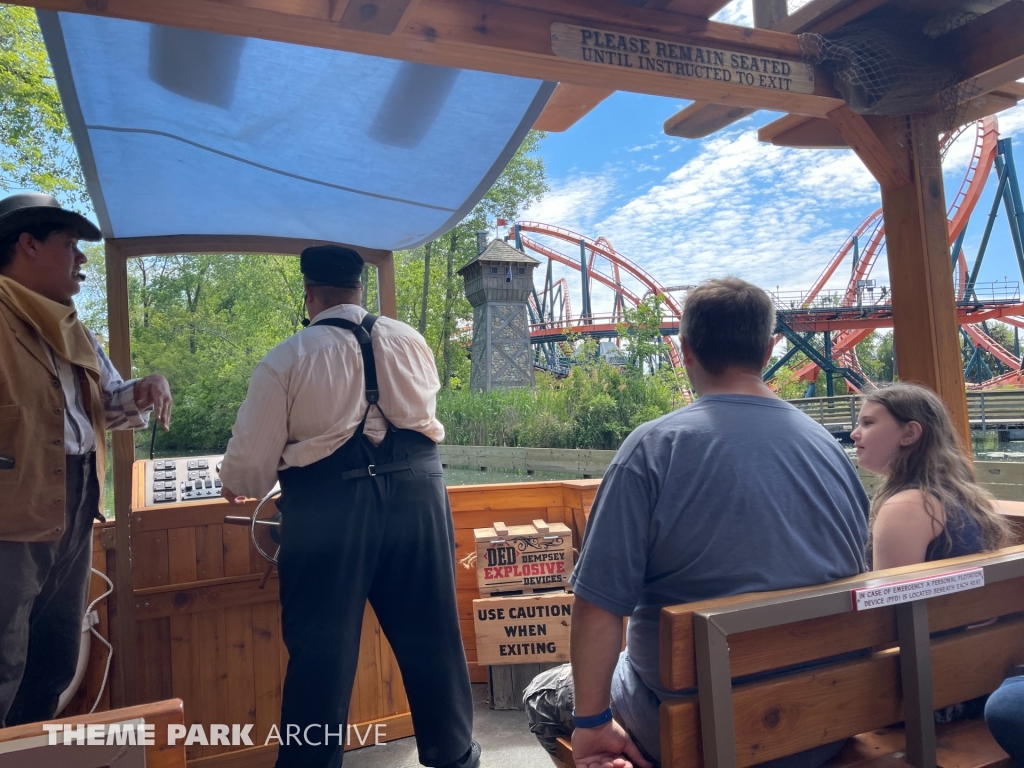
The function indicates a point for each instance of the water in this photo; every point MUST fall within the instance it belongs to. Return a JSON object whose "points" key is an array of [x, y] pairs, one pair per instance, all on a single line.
{"points": [[463, 476]]}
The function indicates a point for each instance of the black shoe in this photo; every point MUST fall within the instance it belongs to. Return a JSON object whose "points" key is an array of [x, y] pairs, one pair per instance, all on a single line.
{"points": [[469, 760]]}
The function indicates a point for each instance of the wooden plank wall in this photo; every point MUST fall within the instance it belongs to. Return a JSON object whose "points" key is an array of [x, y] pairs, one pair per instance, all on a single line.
{"points": [[478, 506], [207, 634], [584, 462], [1003, 479]]}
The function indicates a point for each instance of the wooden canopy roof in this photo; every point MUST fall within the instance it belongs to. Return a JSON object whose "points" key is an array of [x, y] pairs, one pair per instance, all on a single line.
{"points": [[516, 37]]}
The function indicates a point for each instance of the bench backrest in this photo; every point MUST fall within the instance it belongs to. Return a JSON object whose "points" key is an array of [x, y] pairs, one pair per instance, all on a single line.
{"points": [[901, 673], [160, 713]]}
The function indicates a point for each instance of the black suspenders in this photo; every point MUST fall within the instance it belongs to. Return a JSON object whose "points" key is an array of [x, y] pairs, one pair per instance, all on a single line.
{"points": [[362, 333]]}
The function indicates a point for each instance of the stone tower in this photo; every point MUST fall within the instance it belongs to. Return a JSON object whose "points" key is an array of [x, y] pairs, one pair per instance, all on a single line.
{"points": [[499, 282]]}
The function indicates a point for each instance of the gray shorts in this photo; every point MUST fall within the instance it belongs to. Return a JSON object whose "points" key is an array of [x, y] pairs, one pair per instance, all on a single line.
{"points": [[548, 701]]}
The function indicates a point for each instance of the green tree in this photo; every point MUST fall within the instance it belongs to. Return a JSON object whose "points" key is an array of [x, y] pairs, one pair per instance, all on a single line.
{"points": [[646, 350], [430, 296], [36, 151]]}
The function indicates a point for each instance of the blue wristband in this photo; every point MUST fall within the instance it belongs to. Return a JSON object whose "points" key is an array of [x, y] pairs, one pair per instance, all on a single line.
{"points": [[594, 721]]}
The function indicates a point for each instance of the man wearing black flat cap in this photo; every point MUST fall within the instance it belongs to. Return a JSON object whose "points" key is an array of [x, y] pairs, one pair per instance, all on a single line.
{"points": [[58, 395], [342, 414]]}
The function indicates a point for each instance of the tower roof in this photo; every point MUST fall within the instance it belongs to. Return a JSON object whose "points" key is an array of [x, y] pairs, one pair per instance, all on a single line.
{"points": [[499, 250]]}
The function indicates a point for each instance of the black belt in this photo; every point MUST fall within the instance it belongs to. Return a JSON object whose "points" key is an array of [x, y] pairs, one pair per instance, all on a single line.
{"points": [[372, 470]]}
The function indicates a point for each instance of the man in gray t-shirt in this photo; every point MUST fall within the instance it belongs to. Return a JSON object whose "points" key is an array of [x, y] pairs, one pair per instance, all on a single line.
{"points": [[739, 492]]}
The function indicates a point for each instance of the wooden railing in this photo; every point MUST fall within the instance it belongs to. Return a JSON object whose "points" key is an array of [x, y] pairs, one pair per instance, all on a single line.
{"points": [[986, 410], [583, 462]]}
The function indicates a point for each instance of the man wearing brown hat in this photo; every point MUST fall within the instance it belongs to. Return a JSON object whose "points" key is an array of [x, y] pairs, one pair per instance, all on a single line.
{"points": [[342, 415], [58, 395]]}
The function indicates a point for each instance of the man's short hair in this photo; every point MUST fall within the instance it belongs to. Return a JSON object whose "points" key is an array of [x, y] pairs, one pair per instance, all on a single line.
{"points": [[332, 295], [728, 323], [40, 232]]}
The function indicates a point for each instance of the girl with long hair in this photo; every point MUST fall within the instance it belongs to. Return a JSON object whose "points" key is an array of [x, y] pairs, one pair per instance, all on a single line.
{"points": [[930, 506]]}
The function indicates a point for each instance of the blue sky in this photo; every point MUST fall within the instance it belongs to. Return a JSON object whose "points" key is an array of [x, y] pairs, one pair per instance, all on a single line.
{"points": [[689, 210]]}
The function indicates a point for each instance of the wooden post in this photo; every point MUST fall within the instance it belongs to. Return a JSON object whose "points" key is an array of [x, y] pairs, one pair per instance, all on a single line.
{"points": [[386, 285], [126, 689], [768, 13], [920, 266]]}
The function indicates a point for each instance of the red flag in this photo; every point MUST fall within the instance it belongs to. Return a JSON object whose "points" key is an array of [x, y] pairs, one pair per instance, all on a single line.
{"points": [[502, 222]]}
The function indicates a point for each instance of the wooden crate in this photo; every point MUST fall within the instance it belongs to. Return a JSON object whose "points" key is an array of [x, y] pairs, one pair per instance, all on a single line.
{"points": [[523, 630], [523, 558]]}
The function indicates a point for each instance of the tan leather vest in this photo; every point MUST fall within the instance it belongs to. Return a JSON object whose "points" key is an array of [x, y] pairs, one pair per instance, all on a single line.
{"points": [[33, 493]]}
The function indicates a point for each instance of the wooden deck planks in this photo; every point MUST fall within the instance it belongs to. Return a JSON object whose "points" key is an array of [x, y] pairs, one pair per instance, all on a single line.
{"points": [[149, 562], [213, 669], [209, 551], [184, 666], [154, 654], [267, 670], [240, 665], [181, 552], [236, 550]]}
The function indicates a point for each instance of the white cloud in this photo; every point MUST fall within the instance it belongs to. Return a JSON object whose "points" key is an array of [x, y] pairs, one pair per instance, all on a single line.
{"points": [[765, 213], [737, 12], [574, 203]]}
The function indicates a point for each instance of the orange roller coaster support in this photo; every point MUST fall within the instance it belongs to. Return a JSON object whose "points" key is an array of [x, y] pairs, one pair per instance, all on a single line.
{"points": [[960, 210]]}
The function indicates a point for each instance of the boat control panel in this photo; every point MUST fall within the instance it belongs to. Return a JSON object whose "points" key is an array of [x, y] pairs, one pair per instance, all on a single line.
{"points": [[195, 478]]}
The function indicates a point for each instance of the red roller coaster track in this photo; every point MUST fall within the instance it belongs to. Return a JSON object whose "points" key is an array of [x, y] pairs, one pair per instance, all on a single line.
{"points": [[870, 233]]}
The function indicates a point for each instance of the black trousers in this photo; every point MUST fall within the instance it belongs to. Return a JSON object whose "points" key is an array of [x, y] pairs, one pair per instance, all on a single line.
{"points": [[43, 590], [388, 539]]}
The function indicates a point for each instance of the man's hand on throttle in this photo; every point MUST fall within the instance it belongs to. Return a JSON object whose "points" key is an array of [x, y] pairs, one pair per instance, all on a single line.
{"points": [[232, 498], [607, 746], [154, 391]]}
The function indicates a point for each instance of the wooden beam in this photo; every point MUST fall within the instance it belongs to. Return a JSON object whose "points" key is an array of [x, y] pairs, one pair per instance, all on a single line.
{"points": [[386, 285], [702, 118], [990, 48], [337, 9], [119, 339], [991, 103], [381, 17], [135, 247], [823, 16], [888, 171], [705, 8], [768, 13], [803, 133], [925, 327], [567, 105], [499, 36]]}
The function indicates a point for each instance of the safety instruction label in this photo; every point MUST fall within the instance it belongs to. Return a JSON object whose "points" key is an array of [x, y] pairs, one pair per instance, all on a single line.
{"points": [[917, 589]]}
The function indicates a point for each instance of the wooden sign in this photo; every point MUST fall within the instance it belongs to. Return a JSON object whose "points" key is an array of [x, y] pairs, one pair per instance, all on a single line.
{"points": [[689, 62], [523, 558], [917, 589], [523, 630]]}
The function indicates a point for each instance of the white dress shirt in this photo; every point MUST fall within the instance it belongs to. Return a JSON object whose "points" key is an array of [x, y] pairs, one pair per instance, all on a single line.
{"points": [[119, 406], [307, 397]]}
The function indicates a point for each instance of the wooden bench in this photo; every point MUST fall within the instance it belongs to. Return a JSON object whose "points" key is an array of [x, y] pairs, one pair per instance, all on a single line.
{"points": [[904, 674], [898, 672], [160, 714]]}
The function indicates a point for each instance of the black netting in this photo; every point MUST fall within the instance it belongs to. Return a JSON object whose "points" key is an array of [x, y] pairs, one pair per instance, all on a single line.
{"points": [[886, 67]]}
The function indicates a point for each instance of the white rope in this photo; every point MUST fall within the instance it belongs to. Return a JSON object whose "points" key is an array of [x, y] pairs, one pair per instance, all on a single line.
{"points": [[94, 618]]}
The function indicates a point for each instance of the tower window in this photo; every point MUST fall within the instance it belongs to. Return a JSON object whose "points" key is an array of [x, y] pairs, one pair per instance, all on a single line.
{"points": [[494, 270]]}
